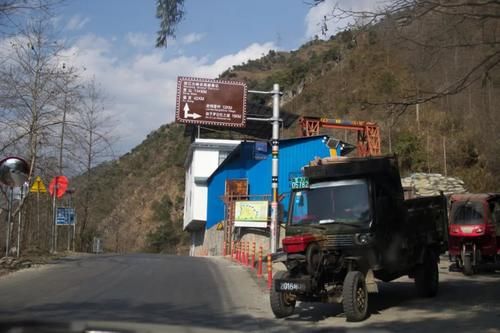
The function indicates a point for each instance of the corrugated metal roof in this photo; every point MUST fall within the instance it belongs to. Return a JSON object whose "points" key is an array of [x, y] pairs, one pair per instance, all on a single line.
{"points": [[283, 142]]}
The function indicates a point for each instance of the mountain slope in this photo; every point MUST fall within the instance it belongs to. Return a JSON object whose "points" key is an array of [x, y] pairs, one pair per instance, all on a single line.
{"points": [[137, 200], [358, 75]]}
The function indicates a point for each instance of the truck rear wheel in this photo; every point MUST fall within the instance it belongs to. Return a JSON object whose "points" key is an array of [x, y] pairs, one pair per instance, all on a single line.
{"points": [[468, 269], [355, 296], [282, 303], [313, 258], [427, 276]]}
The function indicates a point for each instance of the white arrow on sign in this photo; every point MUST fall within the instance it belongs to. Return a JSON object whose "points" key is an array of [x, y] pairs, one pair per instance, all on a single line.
{"points": [[190, 115]]}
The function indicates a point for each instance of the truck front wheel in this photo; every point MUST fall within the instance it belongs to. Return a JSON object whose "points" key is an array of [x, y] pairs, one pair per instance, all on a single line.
{"points": [[282, 303], [468, 269], [427, 276], [355, 296]]}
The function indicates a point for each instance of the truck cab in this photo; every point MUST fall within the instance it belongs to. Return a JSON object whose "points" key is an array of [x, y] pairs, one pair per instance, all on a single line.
{"points": [[349, 224]]}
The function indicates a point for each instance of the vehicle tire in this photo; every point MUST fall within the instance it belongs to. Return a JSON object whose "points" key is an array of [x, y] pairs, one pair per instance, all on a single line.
{"points": [[313, 257], [355, 296], [427, 276], [282, 303], [468, 269]]}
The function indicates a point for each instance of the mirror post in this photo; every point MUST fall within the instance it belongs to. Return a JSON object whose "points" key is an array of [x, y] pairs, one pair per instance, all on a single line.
{"points": [[14, 172], [9, 217]]}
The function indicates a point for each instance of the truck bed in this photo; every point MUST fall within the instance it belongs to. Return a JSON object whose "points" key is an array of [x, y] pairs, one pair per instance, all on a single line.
{"points": [[428, 219]]}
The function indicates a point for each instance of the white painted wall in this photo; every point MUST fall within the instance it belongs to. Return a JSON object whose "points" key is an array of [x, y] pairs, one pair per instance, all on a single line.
{"points": [[202, 161]]}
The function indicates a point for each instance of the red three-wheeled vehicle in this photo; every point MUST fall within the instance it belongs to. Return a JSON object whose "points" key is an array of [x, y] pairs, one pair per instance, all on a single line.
{"points": [[474, 231]]}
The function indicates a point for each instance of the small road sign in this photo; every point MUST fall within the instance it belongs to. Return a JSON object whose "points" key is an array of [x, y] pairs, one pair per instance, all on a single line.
{"points": [[60, 183], [65, 216], [211, 102], [38, 186]]}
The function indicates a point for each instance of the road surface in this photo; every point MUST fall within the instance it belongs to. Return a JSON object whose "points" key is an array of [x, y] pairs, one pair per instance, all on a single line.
{"points": [[157, 293]]}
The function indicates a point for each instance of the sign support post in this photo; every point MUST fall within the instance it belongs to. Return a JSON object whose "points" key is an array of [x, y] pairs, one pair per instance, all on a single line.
{"points": [[53, 248], [38, 187], [275, 121], [38, 216], [274, 175]]}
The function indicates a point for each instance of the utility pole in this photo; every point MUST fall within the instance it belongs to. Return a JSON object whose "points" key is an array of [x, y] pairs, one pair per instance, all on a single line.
{"points": [[275, 162], [275, 121]]}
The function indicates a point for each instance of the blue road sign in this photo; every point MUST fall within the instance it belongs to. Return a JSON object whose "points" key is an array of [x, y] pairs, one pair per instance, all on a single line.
{"points": [[65, 216]]}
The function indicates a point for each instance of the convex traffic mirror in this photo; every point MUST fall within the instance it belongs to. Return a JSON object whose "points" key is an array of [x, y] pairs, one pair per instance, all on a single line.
{"points": [[13, 171]]}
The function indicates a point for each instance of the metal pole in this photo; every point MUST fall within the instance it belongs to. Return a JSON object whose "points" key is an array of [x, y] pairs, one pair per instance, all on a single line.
{"points": [[444, 156], [19, 224], [53, 247], [9, 213], [274, 176], [38, 217]]}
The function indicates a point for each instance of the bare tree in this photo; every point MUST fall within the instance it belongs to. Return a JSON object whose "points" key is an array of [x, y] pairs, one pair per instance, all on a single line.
{"points": [[10, 9], [91, 129], [448, 27], [67, 104], [29, 89]]}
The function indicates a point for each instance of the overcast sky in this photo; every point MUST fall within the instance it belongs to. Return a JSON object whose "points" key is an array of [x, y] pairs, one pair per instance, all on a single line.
{"points": [[114, 41]]}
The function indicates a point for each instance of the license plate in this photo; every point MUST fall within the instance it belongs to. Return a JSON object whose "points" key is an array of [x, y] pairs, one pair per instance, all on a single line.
{"points": [[283, 285], [467, 230]]}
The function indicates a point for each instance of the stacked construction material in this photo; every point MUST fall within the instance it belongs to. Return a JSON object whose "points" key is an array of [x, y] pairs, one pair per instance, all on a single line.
{"points": [[428, 184]]}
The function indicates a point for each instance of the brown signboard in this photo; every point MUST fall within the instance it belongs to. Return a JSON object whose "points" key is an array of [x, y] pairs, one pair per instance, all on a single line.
{"points": [[211, 102]]}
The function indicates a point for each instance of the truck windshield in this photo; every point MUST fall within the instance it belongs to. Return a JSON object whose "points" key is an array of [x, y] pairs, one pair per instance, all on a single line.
{"points": [[467, 212], [332, 202]]}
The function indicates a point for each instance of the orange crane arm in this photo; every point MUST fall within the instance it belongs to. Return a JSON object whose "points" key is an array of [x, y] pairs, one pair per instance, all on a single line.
{"points": [[368, 132]]}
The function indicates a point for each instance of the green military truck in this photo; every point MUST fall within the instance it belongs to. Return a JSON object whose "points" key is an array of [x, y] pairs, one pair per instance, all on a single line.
{"points": [[348, 225]]}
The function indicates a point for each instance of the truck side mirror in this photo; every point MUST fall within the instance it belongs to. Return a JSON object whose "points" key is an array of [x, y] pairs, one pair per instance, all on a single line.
{"points": [[299, 199], [496, 214]]}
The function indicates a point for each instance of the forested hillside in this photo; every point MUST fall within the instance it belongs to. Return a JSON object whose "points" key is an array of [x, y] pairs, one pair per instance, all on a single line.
{"points": [[431, 81]]}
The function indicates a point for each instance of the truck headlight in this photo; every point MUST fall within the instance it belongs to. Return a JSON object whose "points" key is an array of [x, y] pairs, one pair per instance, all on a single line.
{"points": [[364, 238]]}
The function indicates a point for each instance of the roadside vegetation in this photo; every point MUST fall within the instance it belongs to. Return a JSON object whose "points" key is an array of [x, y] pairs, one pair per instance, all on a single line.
{"points": [[425, 71]]}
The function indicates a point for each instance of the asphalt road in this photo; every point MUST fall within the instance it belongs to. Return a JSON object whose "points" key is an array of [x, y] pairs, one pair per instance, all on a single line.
{"points": [[185, 292], [156, 293]]}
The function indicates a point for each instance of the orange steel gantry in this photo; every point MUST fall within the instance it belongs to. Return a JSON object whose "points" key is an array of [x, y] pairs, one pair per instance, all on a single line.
{"points": [[368, 132]]}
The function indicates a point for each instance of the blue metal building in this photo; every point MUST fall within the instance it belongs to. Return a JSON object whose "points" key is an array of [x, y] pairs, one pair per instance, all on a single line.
{"points": [[249, 161]]}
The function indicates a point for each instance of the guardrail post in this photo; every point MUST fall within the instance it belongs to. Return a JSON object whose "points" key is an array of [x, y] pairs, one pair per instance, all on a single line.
{"points": [[237, 255], [253, 256], [246, 254], [259, 264], [242, 255], [269, 271]]}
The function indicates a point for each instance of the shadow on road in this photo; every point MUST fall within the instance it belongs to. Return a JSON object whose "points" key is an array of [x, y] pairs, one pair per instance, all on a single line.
{"points": [[464, 305], [165, 313]]}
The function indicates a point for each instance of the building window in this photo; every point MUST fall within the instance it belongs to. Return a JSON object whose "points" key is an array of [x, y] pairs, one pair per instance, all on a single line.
{"points": [[222, 156]]}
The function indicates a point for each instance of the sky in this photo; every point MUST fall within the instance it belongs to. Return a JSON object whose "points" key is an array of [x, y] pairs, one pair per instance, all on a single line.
{"points": [[113, 41]]}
